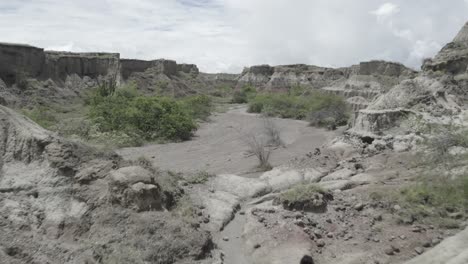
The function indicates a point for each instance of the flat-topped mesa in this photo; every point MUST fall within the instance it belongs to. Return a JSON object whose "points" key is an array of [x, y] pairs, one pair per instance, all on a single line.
{"points": [[129, 66], [17, 59], [58, 65]]}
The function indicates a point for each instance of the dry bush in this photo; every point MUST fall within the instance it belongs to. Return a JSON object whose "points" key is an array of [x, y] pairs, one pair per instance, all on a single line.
{"points": [[260, 149], [272, 132]]}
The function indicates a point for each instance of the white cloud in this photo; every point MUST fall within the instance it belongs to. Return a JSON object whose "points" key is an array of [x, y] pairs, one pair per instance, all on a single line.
{"points": [[226, 35], [386, 10], [65, 47]]}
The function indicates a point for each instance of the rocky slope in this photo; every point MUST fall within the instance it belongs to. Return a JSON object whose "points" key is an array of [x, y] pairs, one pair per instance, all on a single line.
{"points": [[63, 202], [437, 94]]}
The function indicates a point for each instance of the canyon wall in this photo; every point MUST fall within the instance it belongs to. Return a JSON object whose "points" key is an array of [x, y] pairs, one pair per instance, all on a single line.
{"points": [[360, 84], [16, 60]]}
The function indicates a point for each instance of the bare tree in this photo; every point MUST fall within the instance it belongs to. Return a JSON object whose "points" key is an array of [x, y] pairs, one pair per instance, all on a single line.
{"points": [[259, 149], [272, 132]]}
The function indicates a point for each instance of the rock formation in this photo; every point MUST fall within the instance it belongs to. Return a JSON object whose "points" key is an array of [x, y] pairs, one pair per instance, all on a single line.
{"points": [[438, 92], [63, 202], [19, 59], [360, 84], [59, 65]]}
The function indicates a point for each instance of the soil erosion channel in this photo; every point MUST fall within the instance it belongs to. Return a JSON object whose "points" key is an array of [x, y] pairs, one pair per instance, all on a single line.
{"points": [[219, 147]]}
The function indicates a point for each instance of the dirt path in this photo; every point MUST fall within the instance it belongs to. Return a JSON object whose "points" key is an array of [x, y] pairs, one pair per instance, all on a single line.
{"points": [[219, 146]]}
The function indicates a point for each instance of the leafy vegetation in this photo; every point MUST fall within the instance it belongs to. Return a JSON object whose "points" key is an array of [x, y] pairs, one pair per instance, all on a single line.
{"points": [[114, 116], [198, 106], [150, 118], [319, 108], [244, 95]]}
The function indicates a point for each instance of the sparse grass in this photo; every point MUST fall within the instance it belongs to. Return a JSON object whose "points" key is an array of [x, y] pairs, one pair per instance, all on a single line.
{"points": [[435, 199], [43, 116], [301, 193], [200, 177], [308, 197], [185, 209]]}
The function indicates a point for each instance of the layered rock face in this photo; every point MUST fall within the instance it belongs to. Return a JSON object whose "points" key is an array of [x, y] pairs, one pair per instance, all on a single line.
{"points": [[280, 78], [360, 84], [20, 59], [167, 67], [439, 90], [59, 65]]}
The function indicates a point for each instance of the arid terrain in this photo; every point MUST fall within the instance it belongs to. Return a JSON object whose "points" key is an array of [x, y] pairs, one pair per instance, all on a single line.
{"points": [[251, 180]]}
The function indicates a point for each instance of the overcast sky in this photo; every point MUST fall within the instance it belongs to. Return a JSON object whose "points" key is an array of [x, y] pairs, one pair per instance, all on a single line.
{"points": [[226, 35]]}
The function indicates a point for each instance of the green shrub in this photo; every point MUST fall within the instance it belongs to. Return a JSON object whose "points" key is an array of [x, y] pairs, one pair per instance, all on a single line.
{"points": [[198, 106], [244, 95], [321, 109], [149, 118]]}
